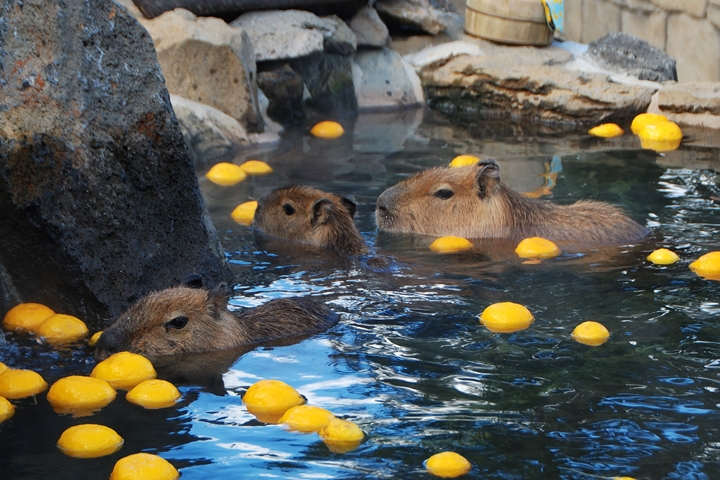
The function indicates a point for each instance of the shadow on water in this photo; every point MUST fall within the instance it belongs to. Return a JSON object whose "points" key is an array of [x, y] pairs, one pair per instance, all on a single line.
{"points": [[409, 361]]}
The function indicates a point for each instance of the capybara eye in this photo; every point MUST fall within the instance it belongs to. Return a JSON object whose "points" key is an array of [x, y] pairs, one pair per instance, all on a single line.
{"points": [[177, 322], [289, 210], [444, 193]]}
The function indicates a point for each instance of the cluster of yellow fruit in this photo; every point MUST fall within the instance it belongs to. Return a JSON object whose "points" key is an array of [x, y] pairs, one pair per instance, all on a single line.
{"points": [[273, 401], [707, 266], [228, 174], [55, 328], [656, 132]]}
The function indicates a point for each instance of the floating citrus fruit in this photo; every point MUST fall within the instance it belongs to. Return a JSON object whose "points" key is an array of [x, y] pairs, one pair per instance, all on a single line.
{"points": [[143, 465], [606, 130], [7, 409], [124, 370], [591, 333], [306, 418], [506, 317], [643, 119], [660, 137], [447, 465], [16, 384], [26, 316], [256, 167], [341, 436], [327, 129], [707, 266], [94, 339], [268, 400], [89, 441], [154, 394], [226, 174], [537, 247], [464, 161], [663, 256], [450, 244], [3, 367], [245, 212], [80, 394], [61, 328]]}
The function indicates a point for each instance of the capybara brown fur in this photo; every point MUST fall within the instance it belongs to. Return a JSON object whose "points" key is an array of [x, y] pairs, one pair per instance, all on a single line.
{"points": [[310, 216], [185, 320], [473, 202]]}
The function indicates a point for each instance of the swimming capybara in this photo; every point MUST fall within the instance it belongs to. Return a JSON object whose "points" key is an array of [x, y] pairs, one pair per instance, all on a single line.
{"points": [[310, 216], [473, 202], [185, 320]]}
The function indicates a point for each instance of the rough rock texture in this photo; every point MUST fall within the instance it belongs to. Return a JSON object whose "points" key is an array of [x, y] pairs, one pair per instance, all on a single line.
{"points": [[531, 83], [622, 52], [418, 13], [384, 81], [689, 103], [207, 61], [281, 35], [369, 29], [284, 89], [99, 202]]}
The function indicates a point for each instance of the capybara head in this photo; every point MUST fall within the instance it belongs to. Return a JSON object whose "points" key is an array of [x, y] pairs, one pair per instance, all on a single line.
{"points": [[171, 321], [442, 201], [473, 202], [308, 215]]}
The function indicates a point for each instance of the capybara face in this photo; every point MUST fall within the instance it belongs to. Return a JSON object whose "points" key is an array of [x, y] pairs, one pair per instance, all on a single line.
{"points": [[473, 202], [176, 320], [311, 216], [443, 201]]}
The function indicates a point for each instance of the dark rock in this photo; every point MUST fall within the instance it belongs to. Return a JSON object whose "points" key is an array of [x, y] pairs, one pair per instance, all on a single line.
{"points": [[625, 53], [99, 203], [284, 90], [329, 79]]}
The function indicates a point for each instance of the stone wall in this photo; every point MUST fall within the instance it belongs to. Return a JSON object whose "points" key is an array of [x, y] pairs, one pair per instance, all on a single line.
{"points": [[688, 30]]}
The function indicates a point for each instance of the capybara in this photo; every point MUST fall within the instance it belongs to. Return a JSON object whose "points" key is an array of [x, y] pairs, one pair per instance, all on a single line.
{"points": [[185, 320], [473, 202], [310, 216]]}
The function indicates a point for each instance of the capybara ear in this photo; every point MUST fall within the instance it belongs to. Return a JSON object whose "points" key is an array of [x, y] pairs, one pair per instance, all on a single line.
{"points": [[193, 281], [322, 209], [349, 205], [487, 175], [217, 300]]}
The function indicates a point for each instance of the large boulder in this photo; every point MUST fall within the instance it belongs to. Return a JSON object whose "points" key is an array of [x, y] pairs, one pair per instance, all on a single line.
{"points": [[625, 53], [384, 81], [369, 29], [205, 60], [417, 13], [99, 202]]}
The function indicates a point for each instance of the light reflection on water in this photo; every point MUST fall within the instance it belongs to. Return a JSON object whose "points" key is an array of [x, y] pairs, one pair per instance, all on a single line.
{"points": [[409, 361]]}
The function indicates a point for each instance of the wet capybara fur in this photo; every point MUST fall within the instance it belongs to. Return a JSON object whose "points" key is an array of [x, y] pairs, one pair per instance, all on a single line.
{"points": [[186, 320], [473, 202], [310, 216]]}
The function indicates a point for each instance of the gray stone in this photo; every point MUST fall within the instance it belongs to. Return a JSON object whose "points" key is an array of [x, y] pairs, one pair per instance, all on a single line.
{"points": [[418, 13], [284, 89], [288, 34], [329, 79], [625, 53], [534, 84], [689, 103], [370, 31], [384, 81], [99, 202], [207, 61]]}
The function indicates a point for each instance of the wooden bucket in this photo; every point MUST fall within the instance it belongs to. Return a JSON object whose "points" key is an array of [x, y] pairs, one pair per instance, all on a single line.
{"points": [[520, 22]]}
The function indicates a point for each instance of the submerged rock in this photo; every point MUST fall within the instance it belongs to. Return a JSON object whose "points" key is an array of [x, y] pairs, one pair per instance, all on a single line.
{"points": [[625, 53], [99, 202]]}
